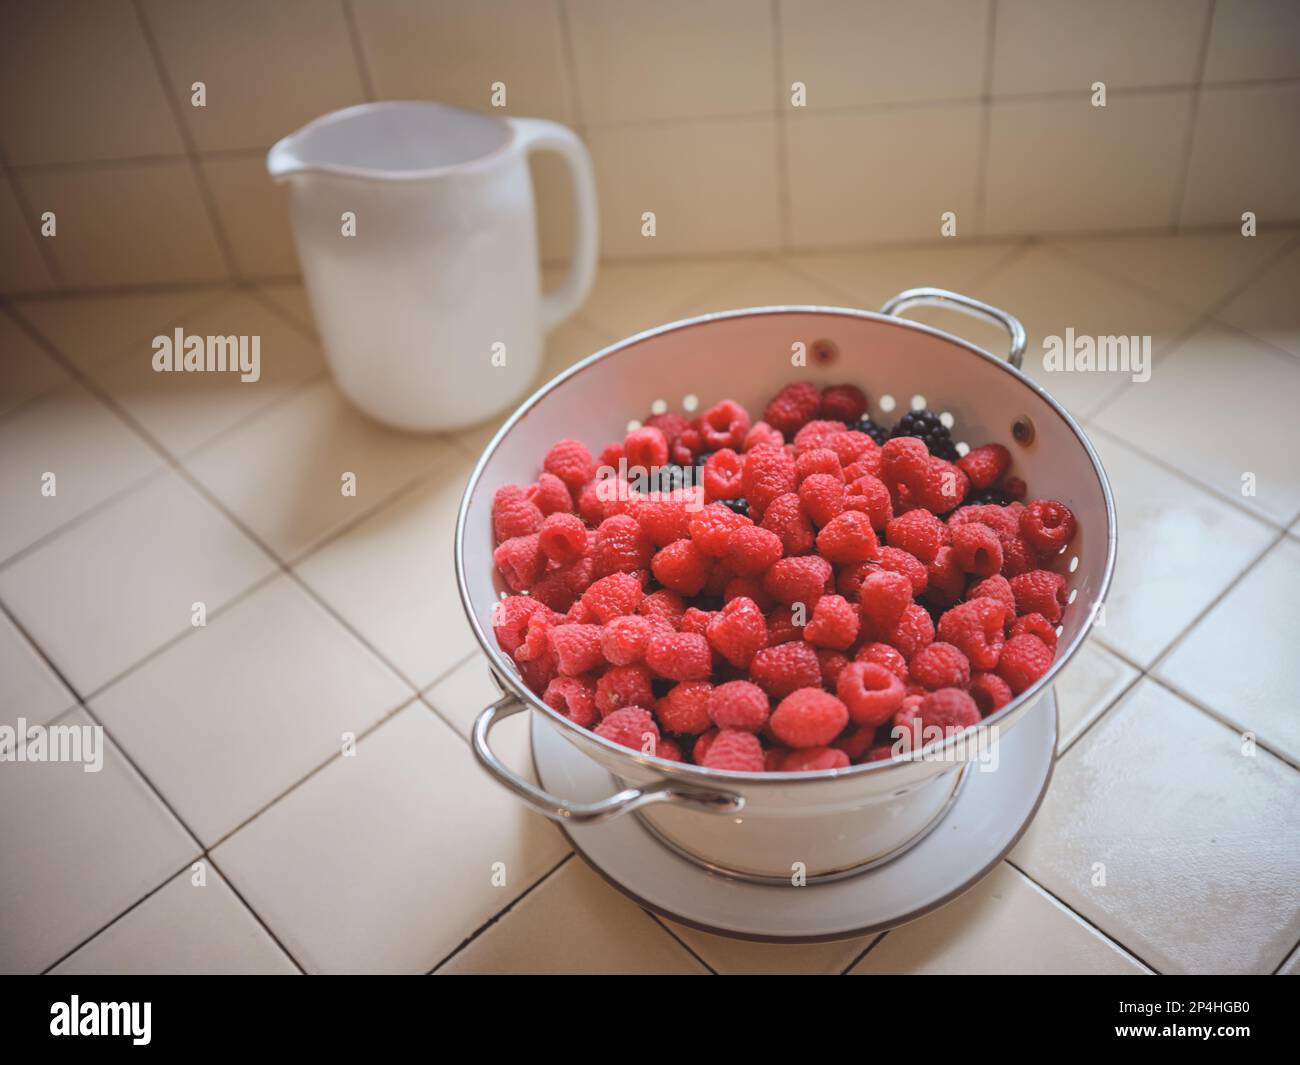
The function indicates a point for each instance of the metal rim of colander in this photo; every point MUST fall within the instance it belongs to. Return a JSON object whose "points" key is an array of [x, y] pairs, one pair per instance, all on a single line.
{"points": [[506, 674]]}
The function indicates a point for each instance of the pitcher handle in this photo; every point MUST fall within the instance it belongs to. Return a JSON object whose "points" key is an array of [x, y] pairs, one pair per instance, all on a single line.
{"points": [[539, 135]]}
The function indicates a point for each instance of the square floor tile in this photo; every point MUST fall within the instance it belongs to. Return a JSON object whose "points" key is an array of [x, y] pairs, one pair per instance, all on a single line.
{"points": [[1086, 687], [30, 689], [107, 591], [185, 410], [1004, 925], [282, 473], [1220, 377], [742, 957], [1268, 307], [574, 924], [1179, 547], [26, 370], [385, 861], [80, 847], [1193, 838], [90, 451], [1240, 659], [463, 692], [227, 718], [182, 929], [392, 577]]}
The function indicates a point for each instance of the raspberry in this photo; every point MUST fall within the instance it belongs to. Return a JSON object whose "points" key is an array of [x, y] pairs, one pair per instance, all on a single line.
{"points": [[985, 465], [882, 654], [573, 697], [976, 629], [681, 567], [884, 597], [664, 605], [868, 464], [784, 668], [850, 446], [613, 596], [808, 717], [646, 447], [537, 641], [762, 435], [551, 495], [990, 692], [1036, 625], [945, 581], [905, 461], [1047, 525], [848, 537], [711, 527], [563, 538], [685, 449], [723, 475], [558, 588], [832, 663], [915, 629], [576, 649], [793, 407], [769, 472], [632, 727], [822, 496], [735, 751], [610, 457], [896, 560], [949, 709], [781, 627], [663, 517], [670, 423], [748, 588], [738, 631], [700, 748], [623, 640], [817, 460], [940, 665], [834, 623], [724, 425], [1040, 592], [786, 519], [1024, 659], [668, 749], [798, 580], [997, 588], [620, 687], [869, 495], [817, 434], [510, 619], [685, 708], [621, 546], [813, 759], [1014, 488], [1018, 557], [679, 655], [739, 704], [591, 507], [871, 692], [855, 741], [537, 673], [917, 532], [751, 550], [999, 519], [844, 403], [977, 549], [514, 514], [571, 462], [520, 562], [695, 620]]}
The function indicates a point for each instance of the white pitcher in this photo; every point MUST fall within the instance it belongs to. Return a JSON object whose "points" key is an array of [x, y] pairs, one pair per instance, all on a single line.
{"points": [[417, 235]]}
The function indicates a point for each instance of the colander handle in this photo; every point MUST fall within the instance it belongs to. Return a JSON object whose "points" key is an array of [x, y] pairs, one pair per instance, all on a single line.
{"points": [[585, 813], [941, 297]]}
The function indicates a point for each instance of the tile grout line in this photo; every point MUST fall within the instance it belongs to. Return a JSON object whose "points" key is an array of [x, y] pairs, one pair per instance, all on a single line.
{"points": [[43, 248], [266, 927], [679, 940], [985, 134], [1178, 204], [358, 51], [1107, 707], [573, 93], [869, 948]]}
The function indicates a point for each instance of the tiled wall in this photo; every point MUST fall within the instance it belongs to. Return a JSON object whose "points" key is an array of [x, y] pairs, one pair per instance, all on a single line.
{"points": [[914, 108]]}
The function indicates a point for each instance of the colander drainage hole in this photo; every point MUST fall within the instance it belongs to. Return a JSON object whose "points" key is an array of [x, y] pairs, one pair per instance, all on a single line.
{"points": [[918, 402], [1074, 594], [690, 401], [887, 403], [947, 420], [633, 425], [1074, 563], [963, 448], [659, 406]]}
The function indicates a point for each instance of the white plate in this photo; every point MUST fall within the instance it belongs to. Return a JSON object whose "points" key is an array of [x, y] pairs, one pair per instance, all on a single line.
{"points": [[988, 818]]}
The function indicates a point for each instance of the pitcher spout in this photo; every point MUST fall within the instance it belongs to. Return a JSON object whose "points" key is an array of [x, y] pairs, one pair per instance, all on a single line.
{"points": [[284, 160]]}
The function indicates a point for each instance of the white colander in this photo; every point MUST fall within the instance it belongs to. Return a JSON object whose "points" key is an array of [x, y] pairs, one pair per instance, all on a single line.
{"points": [[834, 822]]}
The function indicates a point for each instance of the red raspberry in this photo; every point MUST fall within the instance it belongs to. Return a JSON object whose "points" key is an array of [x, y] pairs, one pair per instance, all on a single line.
{"points": [[896, 560], [990, 692], [945, 580], [882, 654], [814, 759], [871, 692], [571, 462], [817, 434], [985, 465], [574, 697], [1036, 625], [977, 549], [662, 516], [976, 629], [850, 446], [621, 546], [884, 597], [844, 403], [940, 665], [832, 663], [781, 627], [668, 749], [782, 669], [670, 423], [591, 507], [905, 461], [817, 460], [510, 619], [808, 717], [1040, 592], [609, 457], [793, 407], [855, 741], [917, 532], [700, 748], [997, 588], [613, 596], [723, 475], [558, 588], [868, 464], [679, 655], [735, 751], [786, 518], [738, 631], [536, 642], [632, 727], [537, 673], [1014, 488], [739, 704], [1000, 519], [869, 495], [687, 446], [514, 514], [681, 567], [551, 495], [1018, 557], [848, 537], [620, 687], [724, 425], [798, 580], [751, 550], [915, 629], [664, 605], [748, 588], [1047, 525], [563, 538], [646, 447], [685, 709], [1024, 659], [769, 472], [712, 525], [822, 495], [763, 435], [576, 649], [623, 640], [695, 620], [949, 709], [520, 562], [834, 623]]}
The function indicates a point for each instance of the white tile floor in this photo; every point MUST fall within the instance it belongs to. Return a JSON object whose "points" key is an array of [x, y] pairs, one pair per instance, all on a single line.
{"points": [[288, 786]]}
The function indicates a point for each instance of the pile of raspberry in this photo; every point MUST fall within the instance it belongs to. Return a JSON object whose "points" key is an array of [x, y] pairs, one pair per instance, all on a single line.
{"points": [[813, 592]]}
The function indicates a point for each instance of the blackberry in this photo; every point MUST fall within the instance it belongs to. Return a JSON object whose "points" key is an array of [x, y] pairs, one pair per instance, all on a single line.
{"points": [[989, 496], [926, 426], [667, 478], [739, 506], [878, 433]]}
